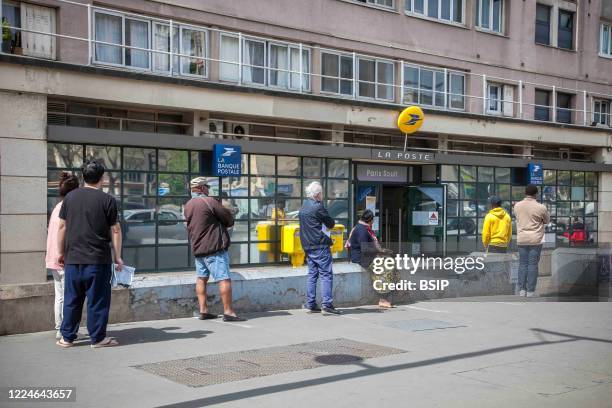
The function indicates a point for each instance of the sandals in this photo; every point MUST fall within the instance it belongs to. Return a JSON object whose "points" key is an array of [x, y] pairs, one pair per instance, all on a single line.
{"points": [[207, 316], [230, 318], [63, 343], [107, 342]]}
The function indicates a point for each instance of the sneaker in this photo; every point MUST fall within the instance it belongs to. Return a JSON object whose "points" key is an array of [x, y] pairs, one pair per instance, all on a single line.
{"points": [[522, 293], [315, 309], [532, 294], [58, 335], [330, 311]]}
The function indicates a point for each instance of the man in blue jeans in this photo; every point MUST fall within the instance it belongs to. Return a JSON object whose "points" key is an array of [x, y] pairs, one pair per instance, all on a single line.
{"points": [[88, 223], [531, 220], [315, 239]]}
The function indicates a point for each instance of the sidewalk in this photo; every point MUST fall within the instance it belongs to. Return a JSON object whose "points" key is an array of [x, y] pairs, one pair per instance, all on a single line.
{"points": [[496, 353]]}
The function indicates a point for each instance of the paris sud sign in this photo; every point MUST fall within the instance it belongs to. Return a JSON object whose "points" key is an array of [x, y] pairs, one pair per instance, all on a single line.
{"points": [[227, 160]]}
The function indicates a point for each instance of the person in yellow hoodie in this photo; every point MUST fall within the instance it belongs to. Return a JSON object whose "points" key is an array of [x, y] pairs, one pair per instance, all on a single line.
{"points": [[497, 228]]}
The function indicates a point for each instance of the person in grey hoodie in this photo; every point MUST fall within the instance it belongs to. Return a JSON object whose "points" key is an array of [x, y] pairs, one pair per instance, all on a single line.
{"points": [[531, 219]]}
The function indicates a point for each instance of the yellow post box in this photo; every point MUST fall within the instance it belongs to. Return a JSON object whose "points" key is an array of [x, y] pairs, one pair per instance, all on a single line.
{"points": [[265, 233], [291, 244], [337, 236]]}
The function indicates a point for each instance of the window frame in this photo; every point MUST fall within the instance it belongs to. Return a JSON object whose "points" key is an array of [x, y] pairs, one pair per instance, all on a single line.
{"points": [[410, 10], [502, 14], [607, 115], [95, 43], [562, 111], [375, 4], [548, 107], [375, 83], [601, 53], [573, 24], [251, 66], [339, 55], [206, 50], [499, 100], [550, 9]]}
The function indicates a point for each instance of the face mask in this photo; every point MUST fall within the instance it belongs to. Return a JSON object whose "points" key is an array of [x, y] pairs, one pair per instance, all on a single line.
{"points": [[196, 194]]}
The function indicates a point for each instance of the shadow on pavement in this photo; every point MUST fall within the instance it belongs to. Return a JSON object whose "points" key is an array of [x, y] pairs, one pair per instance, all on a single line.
{"points": [[140, 335], [257, 315], [370, 370]]}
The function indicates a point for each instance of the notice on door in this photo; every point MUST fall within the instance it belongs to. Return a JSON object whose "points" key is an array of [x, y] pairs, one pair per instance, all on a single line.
{"points": [[425, 218]]}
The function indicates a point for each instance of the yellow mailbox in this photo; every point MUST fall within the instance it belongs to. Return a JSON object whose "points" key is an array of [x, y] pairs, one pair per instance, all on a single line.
{"points": [[292, 246], [337, 236], [265, 231]]}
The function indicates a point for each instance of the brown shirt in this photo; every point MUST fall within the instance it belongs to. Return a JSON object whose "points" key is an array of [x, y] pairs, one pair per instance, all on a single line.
{"points": [[207, 223], [531, 218]]}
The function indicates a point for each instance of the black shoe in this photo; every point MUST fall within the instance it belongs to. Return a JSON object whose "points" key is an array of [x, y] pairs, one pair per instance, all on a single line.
{"points": [[331, 311], [315, 309], [207, 316], [230, 318]]}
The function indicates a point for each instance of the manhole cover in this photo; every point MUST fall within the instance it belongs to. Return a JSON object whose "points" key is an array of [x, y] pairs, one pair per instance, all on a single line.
{"points": [[421, 324], [241, 365]]}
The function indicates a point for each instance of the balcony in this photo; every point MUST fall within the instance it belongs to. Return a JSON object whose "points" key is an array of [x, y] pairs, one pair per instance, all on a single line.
{"points": [[157, 47]]}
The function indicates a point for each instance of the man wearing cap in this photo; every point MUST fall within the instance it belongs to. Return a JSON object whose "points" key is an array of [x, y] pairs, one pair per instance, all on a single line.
{"points": [[207, 224], [497, 228]]}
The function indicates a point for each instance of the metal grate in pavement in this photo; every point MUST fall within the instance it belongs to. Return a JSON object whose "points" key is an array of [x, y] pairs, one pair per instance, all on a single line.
{"points": [[421, 324], [241, 365]]}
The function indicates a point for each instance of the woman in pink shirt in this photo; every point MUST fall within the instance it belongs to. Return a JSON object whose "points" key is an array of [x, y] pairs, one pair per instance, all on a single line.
{"points": [[67, 183]]}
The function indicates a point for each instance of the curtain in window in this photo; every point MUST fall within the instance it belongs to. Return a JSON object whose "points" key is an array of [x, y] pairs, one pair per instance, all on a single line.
{"points": [[41, 19], [294, 64], [346, 75], [229, 52], [108, 29], [457, 89], [136, 35], [161, 42], [411, 85], [279, 64], [605, 40], [253, 57], [193, 43]]}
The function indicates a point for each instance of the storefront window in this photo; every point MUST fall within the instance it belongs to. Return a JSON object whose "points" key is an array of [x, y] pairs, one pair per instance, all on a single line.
{"points": [[152, 188]]}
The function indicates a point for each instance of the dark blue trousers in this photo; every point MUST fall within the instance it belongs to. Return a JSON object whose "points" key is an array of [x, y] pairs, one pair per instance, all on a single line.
{"points": [[319, 264], [91, 282]]}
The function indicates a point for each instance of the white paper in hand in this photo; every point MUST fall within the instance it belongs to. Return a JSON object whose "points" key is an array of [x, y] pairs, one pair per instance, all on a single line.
{"points": [[122, 277], [326, 230]]}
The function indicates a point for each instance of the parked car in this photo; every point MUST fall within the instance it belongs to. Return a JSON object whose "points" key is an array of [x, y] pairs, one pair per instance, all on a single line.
{"points": [[139, 227]]}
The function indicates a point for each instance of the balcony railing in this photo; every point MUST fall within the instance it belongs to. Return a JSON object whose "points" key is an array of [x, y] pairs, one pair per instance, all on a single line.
{"points": [[297, 75]]}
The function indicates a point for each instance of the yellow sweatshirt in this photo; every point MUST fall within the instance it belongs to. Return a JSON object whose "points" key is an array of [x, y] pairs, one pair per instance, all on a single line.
{"points": [[497, 228]]}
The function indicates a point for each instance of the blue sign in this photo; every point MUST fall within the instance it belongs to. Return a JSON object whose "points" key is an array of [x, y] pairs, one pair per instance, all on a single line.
{"points": [[162, 191], [535, 173], [227, 160]]}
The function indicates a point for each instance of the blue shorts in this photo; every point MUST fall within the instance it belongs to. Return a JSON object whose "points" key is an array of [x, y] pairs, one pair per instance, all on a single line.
{"points": [[216, 265]]}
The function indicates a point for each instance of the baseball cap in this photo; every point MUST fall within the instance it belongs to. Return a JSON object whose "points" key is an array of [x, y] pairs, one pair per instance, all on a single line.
{"points": [[199, 181], [495, 200]]}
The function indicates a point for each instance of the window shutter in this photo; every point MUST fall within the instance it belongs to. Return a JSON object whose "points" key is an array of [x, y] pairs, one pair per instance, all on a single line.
{"points": [[508, 107], [41, 19]]}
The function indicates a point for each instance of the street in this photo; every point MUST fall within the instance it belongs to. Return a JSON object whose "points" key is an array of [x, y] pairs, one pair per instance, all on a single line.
{"points": [[492, 352]]}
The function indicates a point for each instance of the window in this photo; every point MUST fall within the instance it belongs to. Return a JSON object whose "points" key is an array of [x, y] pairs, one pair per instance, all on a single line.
{"points": [[284, 58], [542, 102], [375, 79], [494, 98], [601, 112], [500, 99], [337, 73], [382, 3], [229, 54], [133, 38], [566, 30], [28, 17], [564, 113], [605, 43], [253, 61], [426, 86], [489, 15], [542, 32], [446, 10]]}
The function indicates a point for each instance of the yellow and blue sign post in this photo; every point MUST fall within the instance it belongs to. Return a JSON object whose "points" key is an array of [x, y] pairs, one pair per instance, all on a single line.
{"points": [[409, 121]]}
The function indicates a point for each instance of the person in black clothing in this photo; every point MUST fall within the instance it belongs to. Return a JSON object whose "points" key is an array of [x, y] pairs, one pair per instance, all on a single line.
{"points": [[363, 247], [88, 223]]}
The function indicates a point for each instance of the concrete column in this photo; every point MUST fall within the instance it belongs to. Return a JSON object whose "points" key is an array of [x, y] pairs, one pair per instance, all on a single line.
{"points": [[604, 199], [337, 135], [23, 188], [442, 143]]}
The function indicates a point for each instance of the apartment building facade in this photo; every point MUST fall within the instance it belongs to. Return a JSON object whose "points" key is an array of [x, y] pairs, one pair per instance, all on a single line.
{"points": [[308, 90]]}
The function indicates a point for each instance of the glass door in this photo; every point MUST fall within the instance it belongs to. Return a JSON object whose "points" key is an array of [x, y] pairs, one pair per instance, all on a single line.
{"points": [[427, 219]]}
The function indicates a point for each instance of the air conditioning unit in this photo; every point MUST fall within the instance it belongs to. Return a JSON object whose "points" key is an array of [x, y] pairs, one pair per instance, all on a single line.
{"points": [[56, 113], [236, 130], [564, 154], [212, 129]]}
